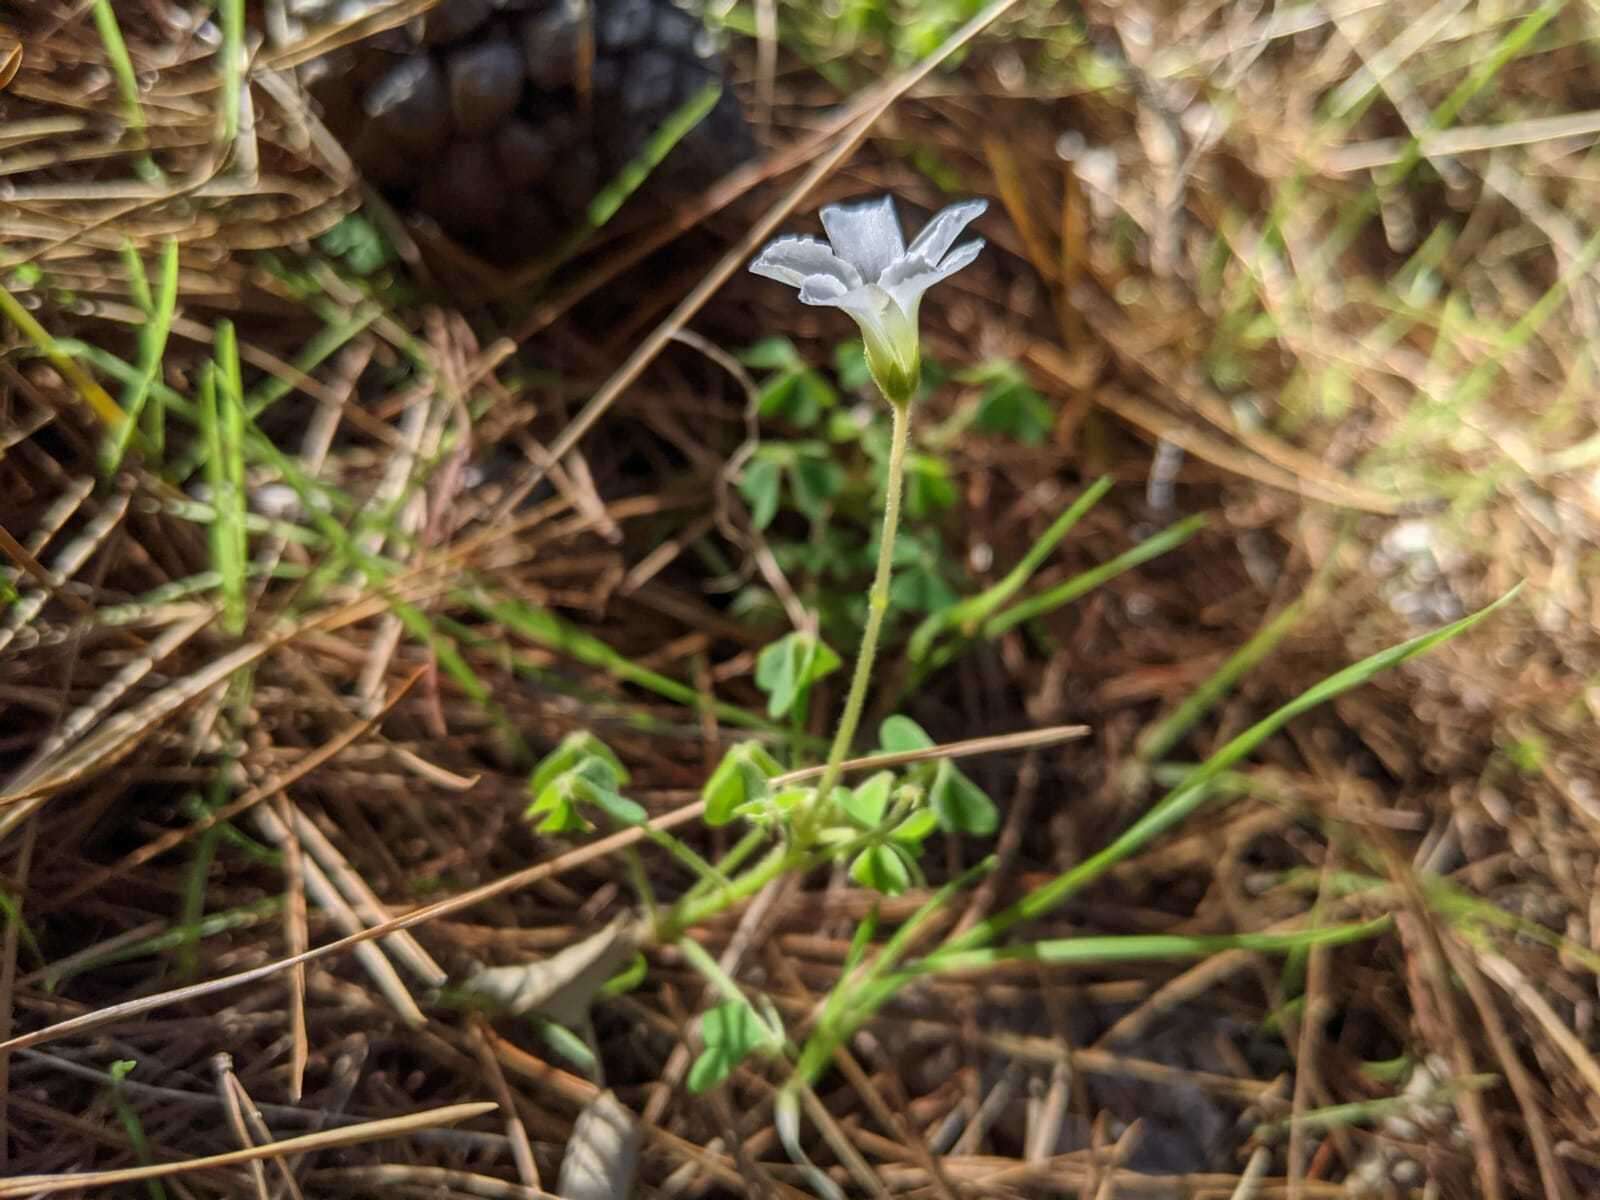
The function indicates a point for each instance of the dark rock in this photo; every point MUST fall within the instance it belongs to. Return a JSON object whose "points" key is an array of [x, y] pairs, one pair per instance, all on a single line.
{"points": [[485, 85], [454, 19], [411, 107], [465, 193], [382, 161], [524, 154], [550, 46], [623, 24]]}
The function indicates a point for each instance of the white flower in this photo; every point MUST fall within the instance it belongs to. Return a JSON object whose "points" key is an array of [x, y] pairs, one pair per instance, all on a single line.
{"points": [[871, 273]]}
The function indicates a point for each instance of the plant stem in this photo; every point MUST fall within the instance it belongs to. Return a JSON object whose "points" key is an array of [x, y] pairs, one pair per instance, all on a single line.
{"points": [[690, 911], [877, 606]]}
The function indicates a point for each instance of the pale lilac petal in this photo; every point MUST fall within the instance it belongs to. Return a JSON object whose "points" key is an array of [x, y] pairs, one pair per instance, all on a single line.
{"points": [[940, 233], [907, 279], [793, 260], [822, 289], [866, 235], [961, 256], [862, 303]]}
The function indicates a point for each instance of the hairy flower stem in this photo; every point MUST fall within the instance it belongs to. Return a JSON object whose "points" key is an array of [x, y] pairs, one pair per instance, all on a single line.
{"points": [[802, 851], [877, 605]]}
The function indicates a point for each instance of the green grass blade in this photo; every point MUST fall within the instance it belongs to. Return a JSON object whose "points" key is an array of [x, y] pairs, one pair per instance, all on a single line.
{"points": [[672, 131], [138, 283], [1189, 795], [232, 12], [971, 613], [1082, 951], [105, 20], [152, 352], [1360, 1112], [1064, 593], [224, 440], [47, 344], [1162, 736], [212, 925], [543, 627]]}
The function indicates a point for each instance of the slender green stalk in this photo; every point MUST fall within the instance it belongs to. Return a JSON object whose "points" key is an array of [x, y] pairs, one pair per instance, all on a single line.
{"points": [[877, 606], [689, 912]]}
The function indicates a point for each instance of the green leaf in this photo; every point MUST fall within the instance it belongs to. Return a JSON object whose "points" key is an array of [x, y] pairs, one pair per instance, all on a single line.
{"points": [[866, 804], [569, 752], [740, 778], [619, 808], [900, 735], [782, 804], [760, 484], [816, 482], [921, 589], [558, 804], [360, 243], [789, 666], [625, 980], [731, 1032], [777, 397], [915, 828], [883, 869], [1012, 408], [929, 488], [772, 354], [960, 804], [850, 365]]}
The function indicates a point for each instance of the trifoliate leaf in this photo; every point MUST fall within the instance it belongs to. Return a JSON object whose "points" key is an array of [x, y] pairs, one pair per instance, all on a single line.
{"points": [[960, 804], [929, 488], [569, 752], [900, 735], [740, 778], [760, 484], [557, 805], [1011, 407], [771, 354], [787, 668], [883, 869], [731, 1032], [779, 396], [915, 828], [816, 482], [618, 807], [865, 805]]}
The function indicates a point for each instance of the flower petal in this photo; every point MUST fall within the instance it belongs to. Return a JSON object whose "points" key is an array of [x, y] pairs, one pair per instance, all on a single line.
{"points": [[940, 233], [866, 235], [822, 289], [907, 279], [960, 257], [793, 260]]}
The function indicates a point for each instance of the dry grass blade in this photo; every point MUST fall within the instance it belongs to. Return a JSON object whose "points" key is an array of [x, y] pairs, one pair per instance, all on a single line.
{"points": [[302, 767], [562, 987], [331, 1139], [1000, 743], [602, 1156], [593, 852]]}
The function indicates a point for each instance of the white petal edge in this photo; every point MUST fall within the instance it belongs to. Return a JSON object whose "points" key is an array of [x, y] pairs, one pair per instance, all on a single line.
{"points": [[822, 290], [912, 276], [793, 260], [941, 231], [865, 235]]}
